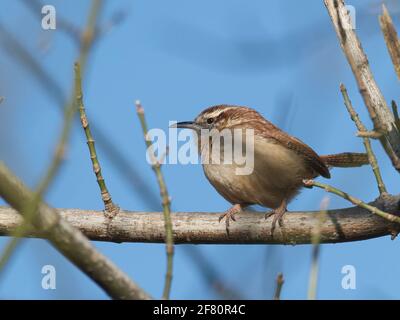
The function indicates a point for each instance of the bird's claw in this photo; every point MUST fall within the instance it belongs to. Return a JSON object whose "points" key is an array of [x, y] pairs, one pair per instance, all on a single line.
{"points": [[229, 215], [278, 215]]}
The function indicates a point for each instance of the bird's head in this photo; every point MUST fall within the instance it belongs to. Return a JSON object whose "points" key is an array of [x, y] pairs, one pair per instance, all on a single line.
{"points": [[219, 117]]}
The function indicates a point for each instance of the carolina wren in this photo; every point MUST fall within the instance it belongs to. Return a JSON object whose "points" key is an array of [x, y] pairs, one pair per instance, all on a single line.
{"points": [[281, 162]]}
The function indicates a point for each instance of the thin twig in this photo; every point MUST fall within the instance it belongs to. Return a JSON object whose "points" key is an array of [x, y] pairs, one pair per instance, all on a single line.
{"points": [[354, 200], [360, 126], [389, 151], [69, 240], [279, 283], [166, 203], [110, 208], [391, 38], [316, 241], [396, 115], [88, 35], [370, 134]]}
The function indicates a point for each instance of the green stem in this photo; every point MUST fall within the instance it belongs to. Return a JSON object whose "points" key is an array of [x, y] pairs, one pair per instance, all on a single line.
{"points": [[367, 143], [166, 204], [110, 208], [354, 200]]}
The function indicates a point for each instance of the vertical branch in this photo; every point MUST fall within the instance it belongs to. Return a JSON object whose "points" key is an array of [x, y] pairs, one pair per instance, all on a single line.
{"points": [[313, 280], [396, 114], [166, 203], [316, 240], [391, 39], [110, 208], [279, 283], [361, 128], [89, 33], [379, 112]]}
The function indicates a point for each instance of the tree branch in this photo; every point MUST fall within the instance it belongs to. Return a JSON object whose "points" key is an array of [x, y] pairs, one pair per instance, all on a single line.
{"points": [[69, 241], [315, 255], [111, 209], [367, 144], [353, 200], [379, 112], [391, 38], [342, 225], [166, 202]]}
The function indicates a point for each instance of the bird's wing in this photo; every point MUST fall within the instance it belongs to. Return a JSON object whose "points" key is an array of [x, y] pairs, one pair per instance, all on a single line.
{"points": [[311, 157]]}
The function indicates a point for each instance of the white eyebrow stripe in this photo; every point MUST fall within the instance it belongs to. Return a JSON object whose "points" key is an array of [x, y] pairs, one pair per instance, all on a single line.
{"points": [[217, 112]]}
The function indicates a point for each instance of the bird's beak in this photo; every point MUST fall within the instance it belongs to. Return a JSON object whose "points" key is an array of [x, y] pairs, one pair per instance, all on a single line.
{"points": [[186, 125]]}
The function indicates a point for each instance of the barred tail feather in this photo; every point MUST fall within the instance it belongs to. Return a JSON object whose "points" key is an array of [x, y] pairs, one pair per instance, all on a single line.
{"points": [[345, 159]]}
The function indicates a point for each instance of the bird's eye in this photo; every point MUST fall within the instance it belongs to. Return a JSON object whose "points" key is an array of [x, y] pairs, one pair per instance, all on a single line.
{"points": [[210, 120]]}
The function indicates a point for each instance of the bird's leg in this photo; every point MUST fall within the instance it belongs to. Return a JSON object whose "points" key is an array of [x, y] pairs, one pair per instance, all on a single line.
{"points": [[278, 214], [230, 215]]}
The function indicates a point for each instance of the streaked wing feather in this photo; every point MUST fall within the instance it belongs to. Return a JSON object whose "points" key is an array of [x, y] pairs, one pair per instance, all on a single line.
{"points": [[310, 156]]}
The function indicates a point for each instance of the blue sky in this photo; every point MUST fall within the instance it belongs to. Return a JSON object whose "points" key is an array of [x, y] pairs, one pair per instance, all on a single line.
{"points": [[178, 57]]}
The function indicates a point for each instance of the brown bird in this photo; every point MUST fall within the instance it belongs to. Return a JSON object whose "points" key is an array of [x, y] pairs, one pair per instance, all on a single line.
{"points": [[281, 162]]}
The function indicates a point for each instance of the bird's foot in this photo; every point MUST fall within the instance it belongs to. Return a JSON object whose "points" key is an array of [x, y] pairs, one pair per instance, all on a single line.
{"points": [[278, 215], [230, 215]]}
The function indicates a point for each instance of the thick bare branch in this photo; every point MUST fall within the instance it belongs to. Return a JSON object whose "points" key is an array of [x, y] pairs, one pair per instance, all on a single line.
{"points": [[69, 241], [379, 112], [342, 225]]}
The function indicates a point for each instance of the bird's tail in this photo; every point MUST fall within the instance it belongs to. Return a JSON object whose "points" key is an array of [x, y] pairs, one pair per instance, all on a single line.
{"points": [[345, 159]]}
